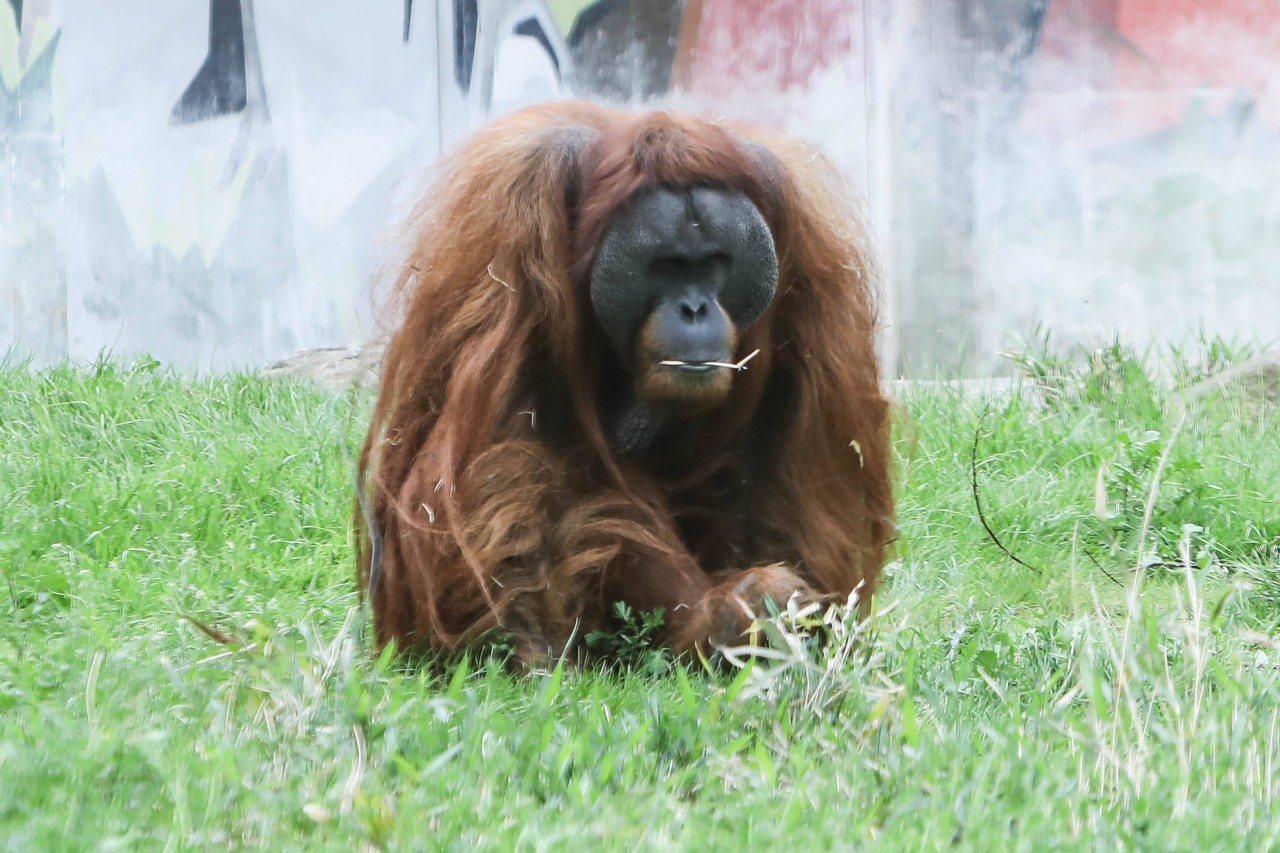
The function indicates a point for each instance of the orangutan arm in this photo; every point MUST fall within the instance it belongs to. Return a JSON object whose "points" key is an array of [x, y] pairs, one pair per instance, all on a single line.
{"points": [[700, 614]]}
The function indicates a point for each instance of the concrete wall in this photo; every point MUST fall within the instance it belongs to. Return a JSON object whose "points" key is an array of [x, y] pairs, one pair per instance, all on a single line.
{"points": [[204, 181], [212, 181]]}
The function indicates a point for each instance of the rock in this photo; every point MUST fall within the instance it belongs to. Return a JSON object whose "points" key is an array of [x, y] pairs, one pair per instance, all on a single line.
{"points": [[336, 368], [994, 388], [1256, 381]]}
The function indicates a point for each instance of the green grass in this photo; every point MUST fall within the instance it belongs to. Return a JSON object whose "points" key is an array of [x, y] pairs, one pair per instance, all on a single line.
{"points": [[991, 706]]}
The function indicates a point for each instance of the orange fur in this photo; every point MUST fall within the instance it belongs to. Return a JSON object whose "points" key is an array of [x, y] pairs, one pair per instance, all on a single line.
{"points": [[499, 500]]}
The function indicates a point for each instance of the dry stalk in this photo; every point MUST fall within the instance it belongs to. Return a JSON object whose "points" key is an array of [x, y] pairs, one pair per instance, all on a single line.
{"points": [[741, 365]]}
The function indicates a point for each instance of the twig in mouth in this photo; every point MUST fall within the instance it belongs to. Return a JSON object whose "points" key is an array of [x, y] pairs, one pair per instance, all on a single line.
{"points": [[742, 365]]}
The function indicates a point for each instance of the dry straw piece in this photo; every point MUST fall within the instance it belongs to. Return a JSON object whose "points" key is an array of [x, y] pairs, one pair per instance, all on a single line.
{"points": [[742, 365]]}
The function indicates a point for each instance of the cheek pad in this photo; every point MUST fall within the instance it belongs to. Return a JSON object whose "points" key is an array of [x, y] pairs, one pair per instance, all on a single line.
{"points": [[617, 292], [754, 277]]}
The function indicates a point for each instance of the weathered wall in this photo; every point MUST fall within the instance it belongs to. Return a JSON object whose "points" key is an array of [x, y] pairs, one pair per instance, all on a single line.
{"points": [[1124, 173], [211, 176], [207, 181]]}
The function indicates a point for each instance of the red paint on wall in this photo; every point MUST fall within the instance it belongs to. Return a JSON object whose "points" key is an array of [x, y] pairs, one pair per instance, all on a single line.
{"points": [[1209, 51], [764, 47], [1108, 69]]}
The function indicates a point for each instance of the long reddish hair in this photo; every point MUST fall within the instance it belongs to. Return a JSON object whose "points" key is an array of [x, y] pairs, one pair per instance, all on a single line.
{"points": [[494, 493]]}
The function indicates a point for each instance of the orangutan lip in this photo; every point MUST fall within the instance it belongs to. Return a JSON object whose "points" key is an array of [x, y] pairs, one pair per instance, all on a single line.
{"points": [[700, 366]]}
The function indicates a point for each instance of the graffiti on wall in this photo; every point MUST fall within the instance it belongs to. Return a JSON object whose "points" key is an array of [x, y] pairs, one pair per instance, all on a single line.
{"points": [[32, 282], [208, 182]]}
